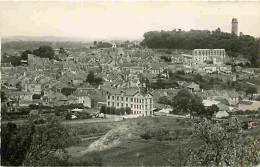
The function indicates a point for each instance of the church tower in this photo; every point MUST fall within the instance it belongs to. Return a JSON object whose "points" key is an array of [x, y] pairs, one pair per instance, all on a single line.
{"points": [[234, 28]]}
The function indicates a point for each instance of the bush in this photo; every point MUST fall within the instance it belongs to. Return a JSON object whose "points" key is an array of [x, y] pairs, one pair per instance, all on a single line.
{"points": [[146, 136], [68, 116]]}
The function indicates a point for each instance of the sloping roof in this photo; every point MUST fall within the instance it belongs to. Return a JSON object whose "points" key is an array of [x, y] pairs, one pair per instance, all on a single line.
{"points": [[246, 102], [222, 114]]}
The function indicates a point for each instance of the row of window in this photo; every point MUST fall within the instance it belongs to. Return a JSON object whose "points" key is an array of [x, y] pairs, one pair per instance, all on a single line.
{"points": [[136, 100]]}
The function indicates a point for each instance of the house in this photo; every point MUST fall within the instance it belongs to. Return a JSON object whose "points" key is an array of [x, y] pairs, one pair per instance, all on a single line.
{"points": [[250, 105], [83, 98], [194, 87], [33, 87]]}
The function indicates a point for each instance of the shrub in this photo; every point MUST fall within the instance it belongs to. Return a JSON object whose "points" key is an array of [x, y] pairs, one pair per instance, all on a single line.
{"points": [[68, 116], [146, 136]]}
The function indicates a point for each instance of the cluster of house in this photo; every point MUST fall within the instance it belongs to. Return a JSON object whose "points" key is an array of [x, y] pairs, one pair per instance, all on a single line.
{"points": [[43, 82]]}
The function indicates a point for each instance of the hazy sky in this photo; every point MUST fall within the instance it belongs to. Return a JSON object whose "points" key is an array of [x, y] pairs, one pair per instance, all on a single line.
{"points": [[123, 19]]}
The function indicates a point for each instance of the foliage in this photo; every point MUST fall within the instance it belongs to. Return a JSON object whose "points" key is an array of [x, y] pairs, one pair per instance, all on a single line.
{"points": [[44, 52], [164, 100], [147, 135], [103, 109], [128, 110], [218, 145], [118, 111], [113, 110], [36, 96], [67, 91], [93, 80], [31, 145], [251, 90], [185, 102], [3, 97], [14, 60], [166, 58], [68, 116], [101, 44], [203, 39], [24, 54]]}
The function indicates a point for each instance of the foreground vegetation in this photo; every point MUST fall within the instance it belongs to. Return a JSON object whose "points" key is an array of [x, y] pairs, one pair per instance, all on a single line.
{"points": [[144, 141]]}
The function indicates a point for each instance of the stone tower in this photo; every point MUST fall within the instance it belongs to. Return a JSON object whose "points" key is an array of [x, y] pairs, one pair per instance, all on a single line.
{"points": [[234, 28]]}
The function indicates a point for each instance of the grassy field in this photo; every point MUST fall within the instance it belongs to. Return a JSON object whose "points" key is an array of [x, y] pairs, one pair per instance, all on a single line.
{"points": [[128, 148], [131, 150]]}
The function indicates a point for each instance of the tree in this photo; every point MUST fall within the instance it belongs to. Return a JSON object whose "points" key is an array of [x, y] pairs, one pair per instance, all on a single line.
{"points": [[251, 90], [44, 52], [3, 97], [108, 110], [198, 78], [62, 51], [24, 54], [118, 111], [164, 100], [185, 102], [122, 111], [103, 110], [67, 91], [128, 110], [90, 77], [211, 110], [15, 143], [218, 145], [147, 135], [49, 141], [95, 43], [113, 110]]}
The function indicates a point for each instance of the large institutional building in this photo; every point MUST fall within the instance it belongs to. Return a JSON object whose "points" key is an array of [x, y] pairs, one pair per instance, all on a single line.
{"points": [[141, 104], [215, 55]]}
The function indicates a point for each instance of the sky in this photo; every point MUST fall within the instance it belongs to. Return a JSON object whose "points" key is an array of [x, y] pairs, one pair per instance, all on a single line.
{"points": [[118, 19]]}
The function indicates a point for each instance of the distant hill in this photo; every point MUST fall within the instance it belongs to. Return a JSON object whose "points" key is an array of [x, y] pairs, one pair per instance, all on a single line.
{"points": [[60, 38]]}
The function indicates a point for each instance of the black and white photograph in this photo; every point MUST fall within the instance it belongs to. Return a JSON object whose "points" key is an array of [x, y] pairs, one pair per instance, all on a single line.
{"points": [[130, 83]]}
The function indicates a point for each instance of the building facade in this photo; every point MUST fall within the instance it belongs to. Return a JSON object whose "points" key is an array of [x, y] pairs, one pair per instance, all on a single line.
{"points": [[140, 103], [214, 55]]}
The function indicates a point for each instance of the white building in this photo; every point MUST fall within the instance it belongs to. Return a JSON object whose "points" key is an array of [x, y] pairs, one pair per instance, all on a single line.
{"points": [[215, 55], [140, 103]]}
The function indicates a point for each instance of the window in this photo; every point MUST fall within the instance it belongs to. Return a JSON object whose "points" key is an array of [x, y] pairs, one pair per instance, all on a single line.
{"points": [[113, 97], [134, 99], [122, 105], [117, 104], [108, 97], [122, 98], [108, 103], [137, 106], [131, 105], [113, 104], [134, 106], [126, 99], [142, 100], [117, 98], [126, 105], [131, 99]]}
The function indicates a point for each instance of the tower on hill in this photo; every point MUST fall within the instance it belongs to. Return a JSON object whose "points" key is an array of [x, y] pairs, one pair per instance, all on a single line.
{"points": [[234, 26]]}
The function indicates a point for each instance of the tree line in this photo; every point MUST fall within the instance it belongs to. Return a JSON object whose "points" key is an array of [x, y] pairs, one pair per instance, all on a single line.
{"points": [[115, 111], [245, 45]]}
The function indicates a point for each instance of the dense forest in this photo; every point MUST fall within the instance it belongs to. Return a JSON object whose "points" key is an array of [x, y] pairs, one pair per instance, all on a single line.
{"points": [[245, 45]]}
